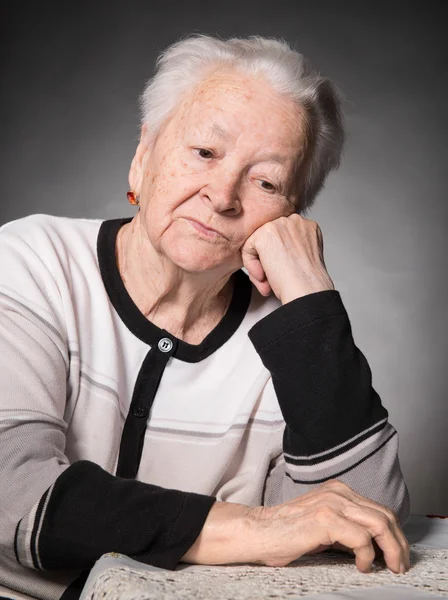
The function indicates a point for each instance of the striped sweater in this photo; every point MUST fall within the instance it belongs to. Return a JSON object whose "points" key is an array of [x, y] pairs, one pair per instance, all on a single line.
{"points": [[118, 436]]}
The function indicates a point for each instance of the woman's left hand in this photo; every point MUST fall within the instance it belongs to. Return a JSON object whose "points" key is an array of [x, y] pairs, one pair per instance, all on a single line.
{"points": [[287, 256]]}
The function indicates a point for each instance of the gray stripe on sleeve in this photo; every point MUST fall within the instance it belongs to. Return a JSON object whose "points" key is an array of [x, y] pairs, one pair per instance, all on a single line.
{"points": [[320, 472]]}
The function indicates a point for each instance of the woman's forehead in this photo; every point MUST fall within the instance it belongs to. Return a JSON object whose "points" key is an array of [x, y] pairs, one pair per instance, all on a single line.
{"points": [[227, 89], [224, 102]]}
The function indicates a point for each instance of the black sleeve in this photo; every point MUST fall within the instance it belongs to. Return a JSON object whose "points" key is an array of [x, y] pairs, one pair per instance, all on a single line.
{"points": [[88, 512], [336, 426], [322, 380]]}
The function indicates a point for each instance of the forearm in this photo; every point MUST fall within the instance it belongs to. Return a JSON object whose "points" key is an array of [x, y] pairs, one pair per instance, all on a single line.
{"points": [[336, 426], [230, 535], [322, 380]]}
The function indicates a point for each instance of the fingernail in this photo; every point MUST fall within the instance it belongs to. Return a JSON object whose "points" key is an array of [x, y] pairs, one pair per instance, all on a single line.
{"points": [[402, 568]]}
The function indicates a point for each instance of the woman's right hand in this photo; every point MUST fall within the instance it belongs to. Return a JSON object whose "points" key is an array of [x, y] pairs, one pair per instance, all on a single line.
{"points": [[330, 516]]}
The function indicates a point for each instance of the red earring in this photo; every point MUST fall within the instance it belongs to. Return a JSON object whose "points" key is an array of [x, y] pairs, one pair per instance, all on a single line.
{"points": [[133, 198]]}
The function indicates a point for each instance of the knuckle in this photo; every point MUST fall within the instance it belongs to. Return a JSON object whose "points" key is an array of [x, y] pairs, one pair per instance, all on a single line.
{"points": [[391, 515], [324, 514], [336, 485], [269, 226], [331, 496], [329, 483], [383, 522]]}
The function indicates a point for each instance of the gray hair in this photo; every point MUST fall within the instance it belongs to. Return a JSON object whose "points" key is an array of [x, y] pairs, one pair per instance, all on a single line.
{"points": [[183, 65]]}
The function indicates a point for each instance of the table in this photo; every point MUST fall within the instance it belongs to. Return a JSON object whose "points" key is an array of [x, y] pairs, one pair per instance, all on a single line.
{"points": [[326, 576]]}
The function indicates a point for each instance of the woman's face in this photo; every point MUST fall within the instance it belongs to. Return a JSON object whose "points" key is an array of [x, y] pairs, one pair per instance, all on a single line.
{"points": [[226, 159]]}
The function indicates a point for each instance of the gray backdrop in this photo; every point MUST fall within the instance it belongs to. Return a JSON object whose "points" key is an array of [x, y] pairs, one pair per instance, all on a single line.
{"points": [[71, 73]]}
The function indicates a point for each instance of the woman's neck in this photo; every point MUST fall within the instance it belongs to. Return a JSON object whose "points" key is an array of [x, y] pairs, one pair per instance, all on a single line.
{"points": [[188, 305]]}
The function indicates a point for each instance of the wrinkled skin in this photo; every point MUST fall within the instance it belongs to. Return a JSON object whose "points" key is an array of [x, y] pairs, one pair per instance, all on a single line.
{"points": [[334, 516]]}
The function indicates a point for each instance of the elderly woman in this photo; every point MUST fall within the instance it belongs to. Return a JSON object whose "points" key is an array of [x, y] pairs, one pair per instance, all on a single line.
{"points": [[158, 400]]}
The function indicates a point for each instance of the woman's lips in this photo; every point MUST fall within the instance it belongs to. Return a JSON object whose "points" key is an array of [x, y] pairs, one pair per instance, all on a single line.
{"points": [[204, 230]]}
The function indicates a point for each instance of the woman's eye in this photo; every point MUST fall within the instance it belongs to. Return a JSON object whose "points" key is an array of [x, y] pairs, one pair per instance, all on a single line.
{"points": [[203, 153], [266, 185]]}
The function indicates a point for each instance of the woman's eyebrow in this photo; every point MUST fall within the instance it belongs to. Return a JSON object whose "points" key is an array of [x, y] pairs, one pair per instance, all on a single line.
{"points": [[216, 129], [273, 157]]}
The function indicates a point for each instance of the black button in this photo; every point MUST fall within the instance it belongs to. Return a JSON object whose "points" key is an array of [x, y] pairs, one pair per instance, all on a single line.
{"points": [[139, 411]]}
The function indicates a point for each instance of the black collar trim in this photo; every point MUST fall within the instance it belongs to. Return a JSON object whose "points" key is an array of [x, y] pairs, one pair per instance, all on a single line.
{"points": [[146, 331]]}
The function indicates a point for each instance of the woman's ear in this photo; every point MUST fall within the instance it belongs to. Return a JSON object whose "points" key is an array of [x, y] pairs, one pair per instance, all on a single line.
{"points": [[137, 168]]}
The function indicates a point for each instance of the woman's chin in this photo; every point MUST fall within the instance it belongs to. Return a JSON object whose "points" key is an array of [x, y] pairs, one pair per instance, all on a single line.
{"points": [[196, 259]]}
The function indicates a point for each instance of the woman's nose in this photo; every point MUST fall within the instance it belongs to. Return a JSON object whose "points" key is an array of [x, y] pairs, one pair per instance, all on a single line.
{"points": [[223, 193]]}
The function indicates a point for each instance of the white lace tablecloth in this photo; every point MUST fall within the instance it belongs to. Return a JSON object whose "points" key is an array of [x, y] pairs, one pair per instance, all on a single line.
{"points": [[326, 576]]}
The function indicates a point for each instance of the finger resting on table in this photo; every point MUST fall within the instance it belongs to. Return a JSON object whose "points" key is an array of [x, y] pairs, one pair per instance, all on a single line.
{"points": [[346, 533], [351, 496], [393, 521], [381, 530]]}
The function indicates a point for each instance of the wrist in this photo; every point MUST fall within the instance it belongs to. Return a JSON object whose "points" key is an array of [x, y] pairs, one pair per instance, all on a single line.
{"points": [[293, 293], [229, 535]]}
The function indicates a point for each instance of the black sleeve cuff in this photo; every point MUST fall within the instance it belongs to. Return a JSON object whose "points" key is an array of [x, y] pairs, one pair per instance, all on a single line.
{"points": [[90, 512], [187, 527], [295, 314]]}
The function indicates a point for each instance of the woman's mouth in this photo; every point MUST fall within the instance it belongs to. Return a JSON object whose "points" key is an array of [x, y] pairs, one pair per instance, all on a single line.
{"points": [[210, 233]]}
